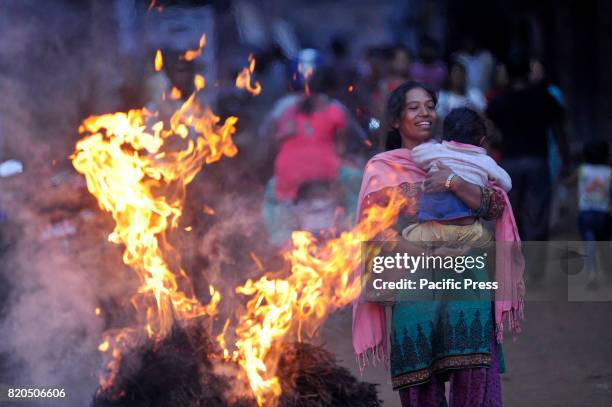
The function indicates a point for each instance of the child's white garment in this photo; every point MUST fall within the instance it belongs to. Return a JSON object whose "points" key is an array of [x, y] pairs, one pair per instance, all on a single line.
{"points": [[594, 187], [467, 161]]}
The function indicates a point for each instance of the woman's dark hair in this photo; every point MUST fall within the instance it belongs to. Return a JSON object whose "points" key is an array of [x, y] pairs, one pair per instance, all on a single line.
{"points": [[596, 152], [324, 81], [395, 107], [465, 126]]}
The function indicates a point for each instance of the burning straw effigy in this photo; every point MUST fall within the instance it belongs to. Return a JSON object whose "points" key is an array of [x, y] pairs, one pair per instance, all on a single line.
{"points": [[183, 370]]}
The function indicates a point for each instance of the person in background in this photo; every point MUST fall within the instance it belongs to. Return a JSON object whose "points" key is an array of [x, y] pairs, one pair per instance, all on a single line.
{"points": [[309, 139], [458, 93], [270, 70], [372, 69], [344, 67], [500, 82], [594, 187], [354, 94], [399, 69], [538, 77], [398, 73], [523, 114], [429, 69], [479, 64], [299, 69]]}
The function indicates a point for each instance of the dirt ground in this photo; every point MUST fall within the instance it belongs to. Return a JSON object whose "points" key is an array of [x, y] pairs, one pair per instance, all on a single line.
{"points": [[561, 358]]}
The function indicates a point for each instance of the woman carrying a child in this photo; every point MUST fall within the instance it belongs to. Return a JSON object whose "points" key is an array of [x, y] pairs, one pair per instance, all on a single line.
{"points": [[448, 188]]}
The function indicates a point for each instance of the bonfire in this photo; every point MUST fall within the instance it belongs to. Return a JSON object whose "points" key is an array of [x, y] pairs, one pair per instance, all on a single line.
{"points": [[137, 165], [187, 369]]}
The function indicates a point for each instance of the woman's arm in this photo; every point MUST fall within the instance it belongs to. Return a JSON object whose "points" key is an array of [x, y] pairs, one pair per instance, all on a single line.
{"points": [[485, 202]]}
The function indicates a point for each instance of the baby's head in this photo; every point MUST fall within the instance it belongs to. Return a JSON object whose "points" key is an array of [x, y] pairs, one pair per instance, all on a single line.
{"points": [[465, 126]]}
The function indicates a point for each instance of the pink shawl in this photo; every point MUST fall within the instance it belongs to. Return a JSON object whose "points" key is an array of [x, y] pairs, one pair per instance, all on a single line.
{"points": [[509, 269], [390, 169]]}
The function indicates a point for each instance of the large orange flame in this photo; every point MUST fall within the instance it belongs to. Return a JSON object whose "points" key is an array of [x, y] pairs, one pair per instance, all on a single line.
{"points": [[143, 187], [137, 166]]}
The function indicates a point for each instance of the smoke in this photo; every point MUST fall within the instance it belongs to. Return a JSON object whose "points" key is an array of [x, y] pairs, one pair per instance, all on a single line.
{"points": [[54, 259], [232, 247], [58, 64]]}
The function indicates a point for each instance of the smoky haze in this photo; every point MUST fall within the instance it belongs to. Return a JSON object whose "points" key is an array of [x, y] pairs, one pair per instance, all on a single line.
{"points": [[58, 64], [55, 67]]}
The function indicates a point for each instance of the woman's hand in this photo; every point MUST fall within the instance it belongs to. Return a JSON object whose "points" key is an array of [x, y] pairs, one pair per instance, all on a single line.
{"points": [[435, 181], [469, 193]]}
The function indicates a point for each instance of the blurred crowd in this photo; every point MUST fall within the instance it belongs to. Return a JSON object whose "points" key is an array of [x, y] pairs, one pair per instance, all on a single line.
{"points": [[327, 113], [359, 82], [321, 116]]}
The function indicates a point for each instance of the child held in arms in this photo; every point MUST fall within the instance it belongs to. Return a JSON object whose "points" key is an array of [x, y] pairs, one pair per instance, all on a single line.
{"points": [[443, 217]]}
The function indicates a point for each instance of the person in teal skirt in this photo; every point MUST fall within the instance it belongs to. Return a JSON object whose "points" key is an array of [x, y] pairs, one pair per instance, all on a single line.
{"points": [[439, 339]]}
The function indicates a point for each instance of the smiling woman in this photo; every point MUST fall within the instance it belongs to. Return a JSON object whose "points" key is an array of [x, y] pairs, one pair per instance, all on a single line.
{"points": [[411, 111], [430, 342], [417, 118]]}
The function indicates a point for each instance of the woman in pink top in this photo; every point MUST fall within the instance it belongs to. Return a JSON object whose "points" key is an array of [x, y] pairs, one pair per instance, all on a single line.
{"points": [[310, 139]]}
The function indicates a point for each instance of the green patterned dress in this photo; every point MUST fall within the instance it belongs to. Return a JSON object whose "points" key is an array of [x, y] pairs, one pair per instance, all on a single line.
{"points": [[434, 334]]}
